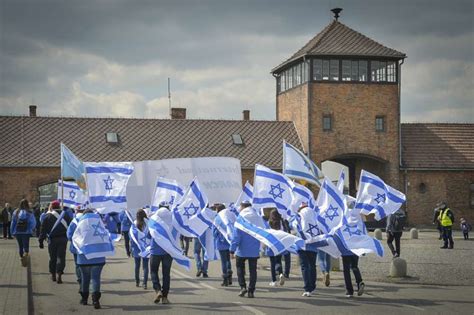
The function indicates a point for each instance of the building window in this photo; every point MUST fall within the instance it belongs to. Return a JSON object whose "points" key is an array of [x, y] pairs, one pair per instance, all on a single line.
{"points": [[327, 122], [422, 188], [317, 69], [362, 70], [237, 139], [111, 137], [471, 187], [334, 70], [346, 70], [379, 123], [391, 71]]}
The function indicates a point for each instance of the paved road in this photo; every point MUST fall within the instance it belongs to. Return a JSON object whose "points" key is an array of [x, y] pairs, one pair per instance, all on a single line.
{"points": [[199, 296]]}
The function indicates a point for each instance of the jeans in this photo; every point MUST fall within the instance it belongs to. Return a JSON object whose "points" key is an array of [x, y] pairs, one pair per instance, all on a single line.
{"points": [[88, 273], [308, 269], [57, 254], [466, 235], [225, 263], [155, 262], [138, 260], [78, 269], [394, 236], [287, 259], [198, 249], [324, 261], [240, 264], [126, 237], [184, 240], [275, 266], [348, 263], [23, 243], [448, 236]]}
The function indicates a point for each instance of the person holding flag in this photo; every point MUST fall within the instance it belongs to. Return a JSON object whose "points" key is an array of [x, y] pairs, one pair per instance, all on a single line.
{"points": [[70, 231], [54, 230], [140, 246], [222, 243], [125, 225], [275, 221]]}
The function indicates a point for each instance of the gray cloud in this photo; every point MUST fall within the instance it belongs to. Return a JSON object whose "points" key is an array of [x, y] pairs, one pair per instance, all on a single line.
{"points": [[94, 58]]}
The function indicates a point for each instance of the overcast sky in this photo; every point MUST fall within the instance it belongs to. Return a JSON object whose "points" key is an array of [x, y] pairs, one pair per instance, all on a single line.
{"points": [[113, 58]]}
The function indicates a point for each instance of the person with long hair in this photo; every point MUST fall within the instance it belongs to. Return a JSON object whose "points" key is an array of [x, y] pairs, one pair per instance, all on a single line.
{"points": [[140, 224], [276, 223], [22, 227]]}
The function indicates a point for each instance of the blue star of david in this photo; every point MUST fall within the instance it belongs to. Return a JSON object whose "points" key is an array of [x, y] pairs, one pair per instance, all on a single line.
{"points": [[171, 200], [380, 198], [144, 239], [189, 208], [72, 194], [108, 183], [99, 231], [311, 228], [331, 213], [351, 232], [278, 193]]}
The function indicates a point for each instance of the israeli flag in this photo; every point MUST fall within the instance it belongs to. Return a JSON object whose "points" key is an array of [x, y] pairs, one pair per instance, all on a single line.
{"points": [[73, 195], [140, 239], [297, 165], [208, 243], [245, 195], [187, 217], [224, 222], [167, 192], [376, 197], [354, 235], [301, 194], [305, 223], [277, 241], [330, 206], [340, 181], [272, 189], [71, 167], [163, 236], [91, 238], [107, 185]]}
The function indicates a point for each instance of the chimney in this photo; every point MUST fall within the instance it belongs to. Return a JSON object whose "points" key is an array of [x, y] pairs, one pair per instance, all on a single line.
{"points": [[33, 110], [336, 12], [178, 113], [246, 114]]}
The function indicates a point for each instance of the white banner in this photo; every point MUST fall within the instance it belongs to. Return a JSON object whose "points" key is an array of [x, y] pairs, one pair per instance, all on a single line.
{"points": [[220, 178]]}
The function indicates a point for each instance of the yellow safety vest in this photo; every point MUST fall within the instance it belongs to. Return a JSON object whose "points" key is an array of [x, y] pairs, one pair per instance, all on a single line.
{"points": [[444, 219]]}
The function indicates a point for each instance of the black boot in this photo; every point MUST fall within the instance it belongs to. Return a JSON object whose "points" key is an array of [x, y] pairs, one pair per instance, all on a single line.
{"points": [[60, 277], [84, 297], [225, 281], [53, 277], [95, 299], [229, 279]]}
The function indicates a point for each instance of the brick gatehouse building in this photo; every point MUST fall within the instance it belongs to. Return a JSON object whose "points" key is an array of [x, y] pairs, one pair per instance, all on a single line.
{"points": [[338, 98]]}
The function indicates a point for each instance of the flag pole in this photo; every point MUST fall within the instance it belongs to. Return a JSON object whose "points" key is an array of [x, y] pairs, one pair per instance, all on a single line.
{"points": [[62, 177]]}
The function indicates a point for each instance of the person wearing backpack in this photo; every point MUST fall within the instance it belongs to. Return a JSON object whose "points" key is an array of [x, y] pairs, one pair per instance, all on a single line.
{"points": [[22, 227], [395, 224], [54, 230]]}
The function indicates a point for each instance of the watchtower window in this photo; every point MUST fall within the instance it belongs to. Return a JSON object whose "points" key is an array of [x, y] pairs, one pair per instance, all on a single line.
{"points": [[334, 70], [378, 71], [391, 71]]}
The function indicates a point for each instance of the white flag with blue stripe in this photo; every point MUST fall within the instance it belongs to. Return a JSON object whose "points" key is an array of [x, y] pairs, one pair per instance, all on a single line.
{"points": [[330, 206], [208, 243], [297, 165], [301, 195], [272, 189], [161, 232], [187, 217], [376, 197], [73, 195], [245, 195], [167, 192], [107, 185], [340, 181], [224, 222], [91, 238], [277, 241], [140, 239]]}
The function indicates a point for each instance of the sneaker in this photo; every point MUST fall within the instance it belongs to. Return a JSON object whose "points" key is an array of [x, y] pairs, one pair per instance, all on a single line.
{"points": [[199, 273], [250, 295], [205, 275], [349, 295], [165, 300], [443, 247], [60, 279], [145, 287], [327, 280], [272, 284], [282, 279], [306, 294], [243, 291], [24, 260], [286, 275], [158, 297], [361, 288], [137, 284]]}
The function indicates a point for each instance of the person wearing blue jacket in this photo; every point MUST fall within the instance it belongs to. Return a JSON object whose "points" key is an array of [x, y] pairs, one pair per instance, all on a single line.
{"points": [[91, 269], [22, 227], [70, 232], [112, 222], [275, 222], [141, 224], [223, 247], [125, 225], [245, 247]]}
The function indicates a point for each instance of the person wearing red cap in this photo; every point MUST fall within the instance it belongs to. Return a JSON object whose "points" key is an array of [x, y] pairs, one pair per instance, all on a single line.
{"points": [[54, 229]]}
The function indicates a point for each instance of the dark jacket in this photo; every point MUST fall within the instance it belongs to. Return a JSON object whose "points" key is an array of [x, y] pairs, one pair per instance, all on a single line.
{"points": [[7, 215], [48, 223]]}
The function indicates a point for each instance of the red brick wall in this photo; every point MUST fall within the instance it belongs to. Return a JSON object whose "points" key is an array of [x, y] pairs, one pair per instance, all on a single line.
{"points": [[449, 186]]}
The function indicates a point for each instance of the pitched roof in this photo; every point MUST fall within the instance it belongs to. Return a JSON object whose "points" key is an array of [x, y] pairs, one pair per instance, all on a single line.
{"points": [[340, 40], [35, 141], [438, 146]]}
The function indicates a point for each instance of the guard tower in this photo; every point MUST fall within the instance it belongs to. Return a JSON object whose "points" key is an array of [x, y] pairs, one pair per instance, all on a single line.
{"points": [[342, 91]]}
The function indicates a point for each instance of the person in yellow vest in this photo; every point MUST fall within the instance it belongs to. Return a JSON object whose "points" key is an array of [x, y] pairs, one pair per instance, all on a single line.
{"points": [[446, 219]]}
